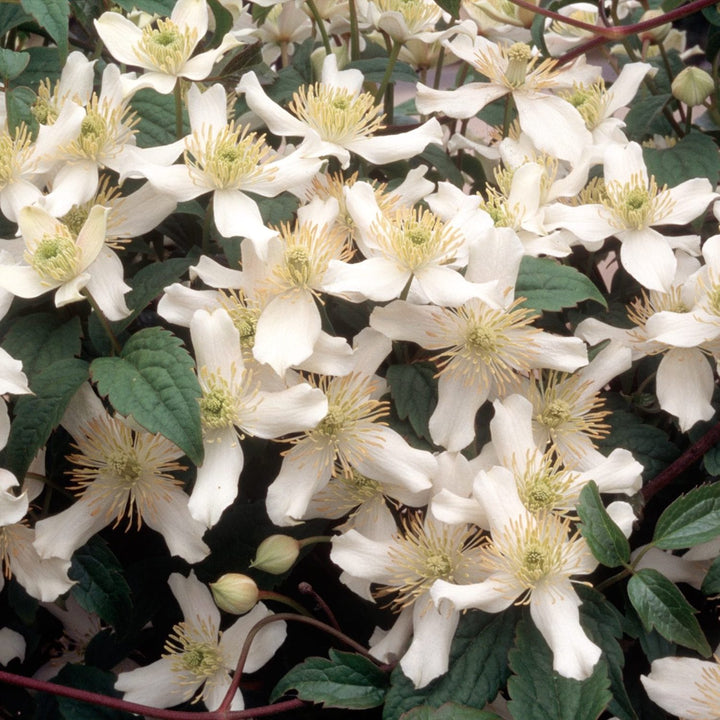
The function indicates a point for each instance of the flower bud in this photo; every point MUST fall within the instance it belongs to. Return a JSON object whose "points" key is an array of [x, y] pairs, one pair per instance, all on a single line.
{"points": [[276, 554], [692, 86], [235, 593], [656, 34]]}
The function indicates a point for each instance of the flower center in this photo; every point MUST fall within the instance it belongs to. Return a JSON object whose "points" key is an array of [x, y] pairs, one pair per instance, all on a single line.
{"points": [[636, 205], [590, 101], [218, 406], [335, 113], [519, 56], [14, 153], [166, 47], [55, 258], [126, 467], [416, 13], [228, 158], [194, 651], [555, 414]]}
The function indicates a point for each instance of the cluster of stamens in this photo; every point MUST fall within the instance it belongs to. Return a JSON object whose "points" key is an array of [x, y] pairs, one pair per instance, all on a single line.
{"points": [[166, 47], [637, 204]]}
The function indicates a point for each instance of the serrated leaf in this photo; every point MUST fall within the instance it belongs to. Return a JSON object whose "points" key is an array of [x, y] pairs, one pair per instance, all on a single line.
{"points": [[478, 667], [603, 624], [52, 15], [156, 115], [39, 341], [223, 22], [547, 285], [94, 680], [449, 711], [711, 582], [662, 606], [12, 63], [159, 7], [44, 63], [604, 538], [694, 156], [346, 680], [646, 117], [11, 16], [36, 416], [450, 6], [414, 391], [100, 586], [690, 520], [19, 102], [537, 692], [153, 380]]}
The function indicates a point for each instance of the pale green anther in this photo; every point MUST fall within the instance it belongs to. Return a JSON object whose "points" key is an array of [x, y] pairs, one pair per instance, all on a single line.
{"points": [[439, 565], [217, 408], [75, 218], [332, 423], [361, 486], [555, 414], [202, 659], [540, 496], [297, 262], [482, 339], [7, 159], [246, 327], [418, 235], [55, 259], [44, 111], [93, 134], [126, 467], [166, 47], [519, 56]]}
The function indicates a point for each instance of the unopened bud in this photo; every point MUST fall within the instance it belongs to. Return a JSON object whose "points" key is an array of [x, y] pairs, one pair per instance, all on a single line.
{"points": [[276, 554], [235, 593], [692, 86], [656, 34]]}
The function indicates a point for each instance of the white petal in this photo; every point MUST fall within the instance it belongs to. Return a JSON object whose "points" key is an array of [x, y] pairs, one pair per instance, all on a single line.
{"points": [[362, 557], [296, 409], [106, 285], [278, 121], [377, 279], [673, 684], [265, 644], [492, 595], [236, 214], [195, 600], [690, 199], [12, 645], [400, 146], [157, 684], [120, 36], [462, 103], [216, 342]]}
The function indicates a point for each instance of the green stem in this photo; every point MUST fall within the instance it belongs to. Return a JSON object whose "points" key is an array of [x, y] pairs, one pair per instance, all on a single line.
{"points": [[688, 119], [320, 25], [439, 67], [396, 47], [354, 31], [205, 243], [314, 540], [508, 114], [285, 600], [103, 321], [406, 289], [178, 110]]}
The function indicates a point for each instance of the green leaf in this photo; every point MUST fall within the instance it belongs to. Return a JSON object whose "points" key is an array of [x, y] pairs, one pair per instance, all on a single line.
{"points": [[223, 23], [156, 115], [478, 667], [44, 63], [159, 7], [603, 536], [39, 341], [346, 680], [53, 16], [711, 583], [11, 16], [12, 63], [94, 680], [414, 390], [19, 102], [374, 68], [692, 519], [694, 156], [646, 117], [36, 416], [444, 165], [100, 586], [603, 624], [537, 692], [450, 6], [448, 711], [153, 380], [547, 285], [662, 606]]}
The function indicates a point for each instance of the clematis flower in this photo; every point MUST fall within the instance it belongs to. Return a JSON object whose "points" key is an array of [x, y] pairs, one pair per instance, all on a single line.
{"points": [[554, 125], [233, 401], [684, 686], [119, 473], [12, 381], [44, 579], [199, 656], [165, 49], [530, 559], [57, 260], [632, 204], [340, 115], [12, 646]]}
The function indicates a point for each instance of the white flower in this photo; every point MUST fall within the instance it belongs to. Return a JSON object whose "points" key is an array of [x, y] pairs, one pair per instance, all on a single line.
{"points": [[232, 402], [685, 686], [120, 473], [12, 381], [632, 204], [199, 656], [56, 259], [164, 50], [12, 646], [339, 116]]}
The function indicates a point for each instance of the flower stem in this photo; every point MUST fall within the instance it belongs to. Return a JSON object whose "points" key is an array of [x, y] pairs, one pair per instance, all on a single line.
{"points": [[178, 110], [396, 46], [285, 600], [307, 589], [354, 31], [507, 115], [320, 26], [103, 321]]}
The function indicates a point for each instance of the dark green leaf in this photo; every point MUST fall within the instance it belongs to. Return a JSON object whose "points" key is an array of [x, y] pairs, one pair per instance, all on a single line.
{"points": [[153, 380], [157, 118], [603, 536], [374, 68], [547, 285], [346, 680], [414, 390], [11, 16], [159, 7], [38, 340], [450, 6], [692, 519], [646, 117], [223, 22], [537, 692], [694, 156], [36, 416], [478, 667], [19, 102], [12, 63], [94, 680], [442, 163], [44, 64], [448, 711], [662, 606], [537, 31], [53, 16], [711, 583], [100, 586]]}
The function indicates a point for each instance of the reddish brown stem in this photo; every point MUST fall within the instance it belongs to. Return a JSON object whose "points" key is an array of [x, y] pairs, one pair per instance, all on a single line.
{"points": [[307, 589], [691, 455]]}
